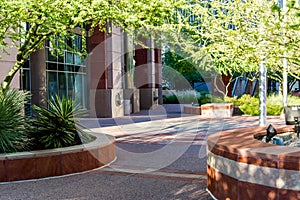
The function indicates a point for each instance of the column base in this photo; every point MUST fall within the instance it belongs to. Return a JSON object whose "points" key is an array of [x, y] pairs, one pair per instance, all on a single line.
{"points": [[133, 95], [148, 97], [107, 103]]}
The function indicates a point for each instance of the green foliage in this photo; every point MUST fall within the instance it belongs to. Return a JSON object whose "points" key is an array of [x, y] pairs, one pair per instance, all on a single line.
{"points": [[188, 96], [184, 67], [182, 97], [250, 105], [165, 87], [56, 127], [12, 121], [277, 100], [35, 21], [233, 100], [274, 110], [191, 96], [235, 36], [170, 99]]}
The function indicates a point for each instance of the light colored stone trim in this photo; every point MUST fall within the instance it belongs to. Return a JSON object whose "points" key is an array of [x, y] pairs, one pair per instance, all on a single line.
{"points": [[9, 61], [154, 172], [272, 177]]}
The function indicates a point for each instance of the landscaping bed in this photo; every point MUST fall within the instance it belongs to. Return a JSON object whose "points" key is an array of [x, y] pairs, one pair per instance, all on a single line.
{"points": [[58, 161]]}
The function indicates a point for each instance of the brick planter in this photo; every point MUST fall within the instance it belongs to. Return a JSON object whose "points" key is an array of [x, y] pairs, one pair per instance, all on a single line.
{"points": [[188, 109], [217, 110], [242, 167], [56, 162]]}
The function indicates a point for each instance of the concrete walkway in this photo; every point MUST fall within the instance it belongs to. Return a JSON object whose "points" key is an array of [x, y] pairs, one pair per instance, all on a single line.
{"points": [[160, 155]]}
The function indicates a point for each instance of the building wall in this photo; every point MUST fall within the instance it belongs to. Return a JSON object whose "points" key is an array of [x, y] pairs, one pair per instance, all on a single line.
{"points": [[107, 84], [7, 61]]}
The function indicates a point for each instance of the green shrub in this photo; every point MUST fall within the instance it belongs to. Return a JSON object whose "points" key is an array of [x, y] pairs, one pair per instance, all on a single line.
{"points": [[216, 99], [205, 99], [183, 97], [274, 110], [188, 96], [293, 100], [191, 96], [12, 121], [250, 105], [165, 87], [170, 99], [277, 100], [233, 100], [56, 127]]}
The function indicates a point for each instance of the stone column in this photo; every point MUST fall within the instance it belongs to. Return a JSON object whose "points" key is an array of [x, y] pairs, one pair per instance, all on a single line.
{"points": [[106, 91], [145, 73], [158, 74], [38, 78], [131, 93]]}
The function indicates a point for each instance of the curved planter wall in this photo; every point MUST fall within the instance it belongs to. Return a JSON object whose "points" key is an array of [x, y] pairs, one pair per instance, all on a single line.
{"points": [[241, 167], [56, 162]]}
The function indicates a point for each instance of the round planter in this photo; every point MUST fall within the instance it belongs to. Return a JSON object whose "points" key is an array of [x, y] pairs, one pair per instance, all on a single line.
{"points": [[57, 162], [241, 167]]}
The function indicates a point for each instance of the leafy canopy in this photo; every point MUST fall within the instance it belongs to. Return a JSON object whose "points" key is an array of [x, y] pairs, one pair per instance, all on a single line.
{"points": [[235, 36], [29, 23]]}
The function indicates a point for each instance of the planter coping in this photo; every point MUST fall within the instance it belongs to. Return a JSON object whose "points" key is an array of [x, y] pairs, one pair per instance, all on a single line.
{"points": [[238, 143], [100, 141]]}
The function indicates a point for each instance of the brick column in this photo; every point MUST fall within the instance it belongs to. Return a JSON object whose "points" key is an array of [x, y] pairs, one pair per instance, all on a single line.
{"points": [[106, 90], [146, 73]]}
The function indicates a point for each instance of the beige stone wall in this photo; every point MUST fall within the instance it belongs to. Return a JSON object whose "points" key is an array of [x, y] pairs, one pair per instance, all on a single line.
{"points": [[7, 61]]}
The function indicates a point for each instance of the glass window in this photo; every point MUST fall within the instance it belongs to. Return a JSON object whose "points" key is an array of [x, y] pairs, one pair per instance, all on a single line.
{"points": [[69, 68], [51, 66], [62, 85], [78, 43], [51, 55], [71, 81], [61, 58], [25, 85], [84, 93], [77, 60], [78, 89], [69, 58], [26, 65], [52, 84], [61, 67], [77, 68], [65, 72], [69, 42], [26, 79]]}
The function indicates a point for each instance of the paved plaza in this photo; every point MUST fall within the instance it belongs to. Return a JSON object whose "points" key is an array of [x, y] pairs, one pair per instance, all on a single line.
{"points": [[160, 155]]}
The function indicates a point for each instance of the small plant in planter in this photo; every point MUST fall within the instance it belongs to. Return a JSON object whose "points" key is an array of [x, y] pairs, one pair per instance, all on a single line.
{"points": [[56, 127], [12, 121]]}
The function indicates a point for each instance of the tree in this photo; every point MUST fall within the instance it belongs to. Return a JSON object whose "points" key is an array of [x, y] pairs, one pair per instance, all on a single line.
{"points": [[186, 68], [29, 23], [235, 36]]}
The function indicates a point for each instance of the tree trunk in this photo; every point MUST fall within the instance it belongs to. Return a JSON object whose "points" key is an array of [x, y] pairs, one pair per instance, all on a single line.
{"points": [[38, 78]]}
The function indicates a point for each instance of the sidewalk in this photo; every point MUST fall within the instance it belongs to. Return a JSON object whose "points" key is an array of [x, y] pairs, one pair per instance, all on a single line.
{"points": [[160, 155]]}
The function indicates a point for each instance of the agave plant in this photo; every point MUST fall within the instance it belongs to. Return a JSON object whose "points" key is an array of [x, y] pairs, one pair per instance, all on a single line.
{"points": [[56, 127], [12, 120]]}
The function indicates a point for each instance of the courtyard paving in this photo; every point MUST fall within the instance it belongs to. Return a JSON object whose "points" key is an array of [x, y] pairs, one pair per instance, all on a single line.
{"points": [[160, 155]]}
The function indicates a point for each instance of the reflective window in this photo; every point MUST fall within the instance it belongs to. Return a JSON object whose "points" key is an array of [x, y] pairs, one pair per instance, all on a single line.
{"points": [[66, 74]]}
